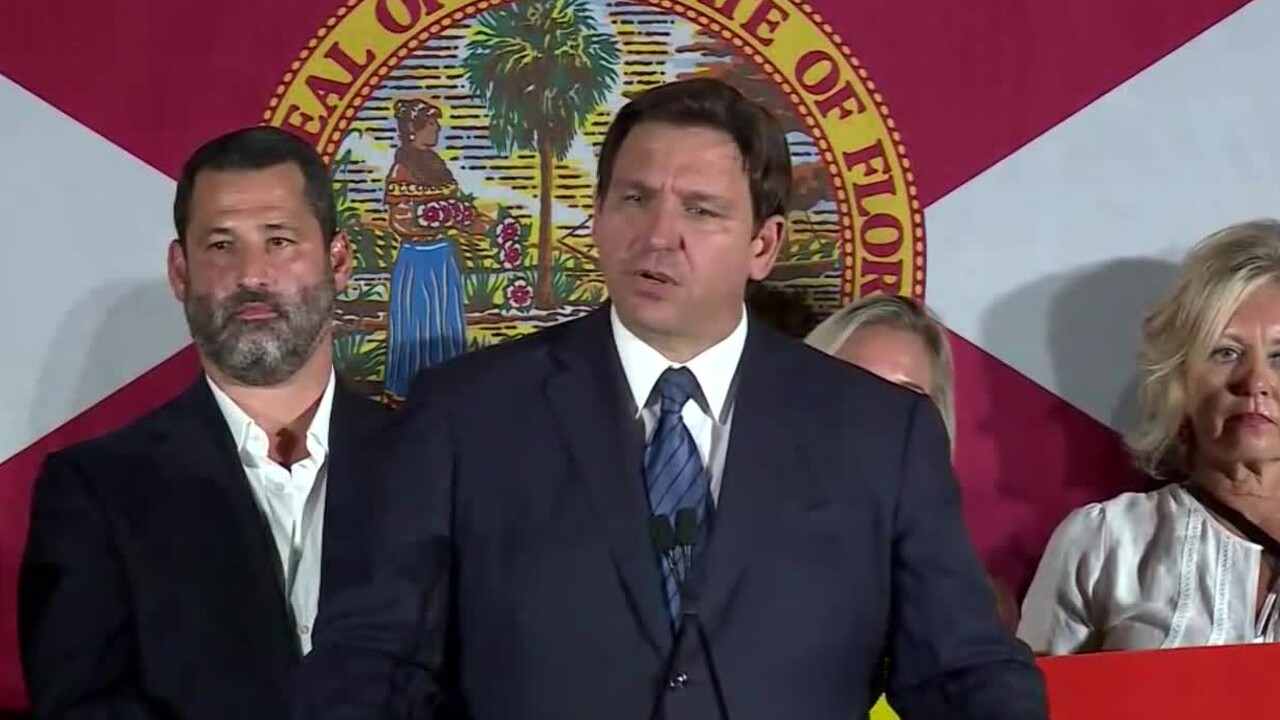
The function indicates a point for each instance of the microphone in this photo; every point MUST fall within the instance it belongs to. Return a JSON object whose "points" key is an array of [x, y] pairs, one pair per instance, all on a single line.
{"points": [[684, 536], [663, 537], [664, 541]]}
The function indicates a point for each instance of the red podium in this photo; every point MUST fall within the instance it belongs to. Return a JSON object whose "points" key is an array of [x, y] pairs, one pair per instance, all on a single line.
{"points": [[1225, 682]]}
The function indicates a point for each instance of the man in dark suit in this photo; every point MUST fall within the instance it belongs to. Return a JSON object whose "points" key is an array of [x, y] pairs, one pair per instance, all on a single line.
{"points": [[173, 567], [529, 566]]}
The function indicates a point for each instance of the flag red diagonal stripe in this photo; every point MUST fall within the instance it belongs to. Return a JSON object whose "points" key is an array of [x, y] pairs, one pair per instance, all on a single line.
{"points": [[967, 83], [156, 78], [1025, 457], [970, 82]]}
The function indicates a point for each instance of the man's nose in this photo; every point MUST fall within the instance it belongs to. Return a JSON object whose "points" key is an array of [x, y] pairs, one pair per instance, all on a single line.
{"points": [[253, 268], [662, 231]]}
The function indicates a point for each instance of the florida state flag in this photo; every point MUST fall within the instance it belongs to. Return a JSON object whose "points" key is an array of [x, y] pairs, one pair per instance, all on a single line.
{"points": [[1030, 168]]}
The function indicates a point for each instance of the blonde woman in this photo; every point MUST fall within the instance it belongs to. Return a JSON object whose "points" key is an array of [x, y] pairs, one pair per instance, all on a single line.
{"points": [[1194, 562], [897, 339]]}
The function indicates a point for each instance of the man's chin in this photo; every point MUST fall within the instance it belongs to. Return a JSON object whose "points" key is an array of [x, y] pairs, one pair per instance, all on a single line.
{"points": [[255, 371], [652, 321]]}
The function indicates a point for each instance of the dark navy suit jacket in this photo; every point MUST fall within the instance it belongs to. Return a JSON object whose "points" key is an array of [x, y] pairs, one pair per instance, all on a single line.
{"points": [[513, 575], [151, 586]]}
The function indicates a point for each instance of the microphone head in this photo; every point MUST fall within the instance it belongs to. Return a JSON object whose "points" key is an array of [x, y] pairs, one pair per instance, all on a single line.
{"points": [[661, 534], [686, 526], [688, 602]]}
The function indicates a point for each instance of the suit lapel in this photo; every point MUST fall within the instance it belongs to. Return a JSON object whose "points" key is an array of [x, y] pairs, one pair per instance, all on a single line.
{"points": [[203, 452], [593, 410], [354, 422], [759, 464], [354, 419]]}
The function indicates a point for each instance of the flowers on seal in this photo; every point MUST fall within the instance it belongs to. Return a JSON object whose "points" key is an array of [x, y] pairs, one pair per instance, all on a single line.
{"points": [[443, 213], [508, 230], [510, 255], [507, 235], [519, 294]]}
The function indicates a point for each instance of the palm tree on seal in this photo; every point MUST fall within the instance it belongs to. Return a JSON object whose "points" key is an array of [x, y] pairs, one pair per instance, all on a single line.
{"points": [[542, 67]]}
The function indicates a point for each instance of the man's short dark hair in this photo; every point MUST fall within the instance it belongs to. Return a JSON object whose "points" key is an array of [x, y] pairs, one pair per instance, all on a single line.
{"points": [[704, 102], [258, 148]]}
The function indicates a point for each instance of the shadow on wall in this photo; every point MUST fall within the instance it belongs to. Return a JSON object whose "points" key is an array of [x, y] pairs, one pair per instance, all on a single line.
{"points": [[1085, 333], [95, 349], [1086, 328]]}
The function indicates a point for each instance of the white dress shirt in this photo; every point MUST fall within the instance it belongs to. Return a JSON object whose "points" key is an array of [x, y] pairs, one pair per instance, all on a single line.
{"points": [[716, 370], [1145, 571], [291, 499]]}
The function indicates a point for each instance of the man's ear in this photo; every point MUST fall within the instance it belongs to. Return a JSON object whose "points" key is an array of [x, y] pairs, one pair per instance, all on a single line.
{"points": [[766, 245], [341, 260], [177, 269]]}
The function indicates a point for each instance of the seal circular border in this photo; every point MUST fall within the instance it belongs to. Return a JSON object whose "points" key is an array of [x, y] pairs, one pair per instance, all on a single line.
{"points": [[848, 247]]}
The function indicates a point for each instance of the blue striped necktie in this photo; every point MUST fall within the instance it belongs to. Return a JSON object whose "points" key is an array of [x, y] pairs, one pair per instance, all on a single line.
{"points": [[673, 469]]}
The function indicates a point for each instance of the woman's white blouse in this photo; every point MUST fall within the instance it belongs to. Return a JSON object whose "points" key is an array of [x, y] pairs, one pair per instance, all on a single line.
{"points": [[1145, 571]]}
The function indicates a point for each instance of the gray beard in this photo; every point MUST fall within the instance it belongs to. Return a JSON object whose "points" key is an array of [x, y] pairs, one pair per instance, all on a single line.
{"points": [[261, 353]]}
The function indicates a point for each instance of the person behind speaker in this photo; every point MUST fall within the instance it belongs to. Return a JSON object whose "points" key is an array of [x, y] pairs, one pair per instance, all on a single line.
{"points": [[903, 341], [1195, 561], [173, 567], [516, 577]]}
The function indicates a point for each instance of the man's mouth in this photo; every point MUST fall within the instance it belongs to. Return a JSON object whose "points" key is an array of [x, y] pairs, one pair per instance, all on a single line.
{"points": [[255, 311], [656, 276]]}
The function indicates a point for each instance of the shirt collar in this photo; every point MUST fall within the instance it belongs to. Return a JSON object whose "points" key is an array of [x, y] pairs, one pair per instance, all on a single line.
{"points": [[714, 367], [250, 439]]}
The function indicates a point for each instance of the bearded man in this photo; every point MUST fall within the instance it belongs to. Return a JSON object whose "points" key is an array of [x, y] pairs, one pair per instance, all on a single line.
{"points": [[173, 568]]}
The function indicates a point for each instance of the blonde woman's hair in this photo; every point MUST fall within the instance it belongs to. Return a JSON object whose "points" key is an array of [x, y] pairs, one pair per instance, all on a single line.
{"points": [[1212, 282], [902, 313]]}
